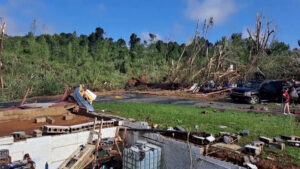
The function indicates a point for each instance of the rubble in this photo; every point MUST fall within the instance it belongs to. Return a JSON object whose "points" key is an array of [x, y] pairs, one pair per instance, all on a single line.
{"points": [[18, 135], [194, 88], [252, 159], [37, 133], [178, 133], [293, 143], [265, 139], [233, 147], [246, 160], [278, 140], [287, 137], [50, 120], [40, 119], [68, 117], [253, 150], [234, 137], [245, 133], [280, 146], [227, 139], [251, 166], [179, 128], [210, 138], [199, 138]]}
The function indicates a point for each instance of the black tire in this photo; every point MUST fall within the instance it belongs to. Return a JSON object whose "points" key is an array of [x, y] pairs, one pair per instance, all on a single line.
{"points": [[235, 99], [253, 100]]}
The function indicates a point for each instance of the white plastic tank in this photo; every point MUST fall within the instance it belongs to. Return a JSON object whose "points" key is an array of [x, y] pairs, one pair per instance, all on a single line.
{"points": [[142, 156]]}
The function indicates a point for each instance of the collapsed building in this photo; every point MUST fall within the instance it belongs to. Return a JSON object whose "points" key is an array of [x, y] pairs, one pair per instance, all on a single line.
{"points": [[64, 135]]}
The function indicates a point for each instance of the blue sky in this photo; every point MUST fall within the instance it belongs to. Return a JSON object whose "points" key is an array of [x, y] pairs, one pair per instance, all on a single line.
{"points": [[170, 20]]}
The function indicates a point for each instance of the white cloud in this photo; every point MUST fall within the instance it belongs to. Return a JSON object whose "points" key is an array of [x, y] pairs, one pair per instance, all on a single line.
{"points": [[145, 36], [220, 10]]}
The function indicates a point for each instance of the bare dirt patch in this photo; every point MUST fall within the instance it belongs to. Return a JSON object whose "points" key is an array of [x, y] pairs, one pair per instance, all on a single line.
{"points": [[28, 126]]}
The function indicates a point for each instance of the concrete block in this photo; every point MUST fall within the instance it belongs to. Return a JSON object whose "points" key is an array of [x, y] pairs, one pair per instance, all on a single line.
{"points": [[171, 129], [227, 139], [18, 135], [232, 147], [293, 143], [235, 137], [179, 128], [279, 146], [287, 137], [68, 117], [50, 120], [297, 138], [210, 138], [278, 140], [253, 150], [4, 153], [245, 133], [265, 139], [37, 133], [40, 119], [199, 139]]}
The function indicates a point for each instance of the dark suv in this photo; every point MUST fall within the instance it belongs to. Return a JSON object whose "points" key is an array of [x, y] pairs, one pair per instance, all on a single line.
{"points": [[255, 91]]}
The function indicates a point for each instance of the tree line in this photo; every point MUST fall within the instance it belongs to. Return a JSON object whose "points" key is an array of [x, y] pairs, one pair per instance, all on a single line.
{"points": [[47, 63]]}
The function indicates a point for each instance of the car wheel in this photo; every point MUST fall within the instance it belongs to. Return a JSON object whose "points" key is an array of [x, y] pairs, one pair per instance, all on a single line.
{"points": [[253, 100], [234, 99]]}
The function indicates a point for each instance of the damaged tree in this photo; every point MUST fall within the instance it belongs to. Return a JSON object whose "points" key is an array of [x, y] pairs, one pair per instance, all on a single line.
{"points": [[185, 71], [260, 39], [1, 51]]}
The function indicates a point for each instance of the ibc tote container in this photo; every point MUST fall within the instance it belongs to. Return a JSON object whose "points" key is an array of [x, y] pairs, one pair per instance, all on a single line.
{"points": [[142, 156]]}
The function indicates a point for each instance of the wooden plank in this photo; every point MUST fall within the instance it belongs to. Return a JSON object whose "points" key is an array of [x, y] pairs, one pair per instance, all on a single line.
{"points": [[97, 145]]}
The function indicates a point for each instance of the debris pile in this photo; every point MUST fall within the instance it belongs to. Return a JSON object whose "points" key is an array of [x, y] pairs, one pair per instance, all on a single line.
{"points": [[139, 83]]}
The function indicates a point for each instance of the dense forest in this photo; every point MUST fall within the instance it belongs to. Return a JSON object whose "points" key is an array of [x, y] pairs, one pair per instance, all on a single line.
{"points": [[47, 63]]}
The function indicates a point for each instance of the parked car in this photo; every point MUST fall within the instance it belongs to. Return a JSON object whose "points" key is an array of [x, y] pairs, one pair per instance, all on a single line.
{"points": [[255, 91]]}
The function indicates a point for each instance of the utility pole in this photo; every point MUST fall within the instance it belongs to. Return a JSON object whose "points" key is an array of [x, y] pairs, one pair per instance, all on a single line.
{"points": [[1, 51]]}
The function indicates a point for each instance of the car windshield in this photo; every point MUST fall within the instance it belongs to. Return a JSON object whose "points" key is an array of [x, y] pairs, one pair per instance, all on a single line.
{"points": [[254, 85]]}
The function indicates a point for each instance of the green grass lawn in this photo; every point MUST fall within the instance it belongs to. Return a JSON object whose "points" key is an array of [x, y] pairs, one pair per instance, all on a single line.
{"points": [[259, 124]]}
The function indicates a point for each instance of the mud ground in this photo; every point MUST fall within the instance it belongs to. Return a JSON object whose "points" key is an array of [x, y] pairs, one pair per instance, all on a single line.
{"points": [[168, 97], [8, 127]]}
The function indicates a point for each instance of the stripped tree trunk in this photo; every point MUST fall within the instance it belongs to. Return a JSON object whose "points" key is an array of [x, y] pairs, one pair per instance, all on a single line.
{"points": [[1, 51]]}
